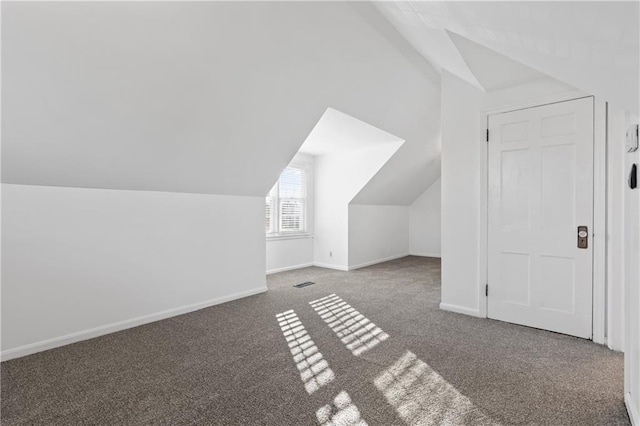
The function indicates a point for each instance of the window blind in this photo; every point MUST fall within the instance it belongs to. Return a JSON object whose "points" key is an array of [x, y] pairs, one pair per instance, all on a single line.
{"points": [[285, 208], [292, 200]]}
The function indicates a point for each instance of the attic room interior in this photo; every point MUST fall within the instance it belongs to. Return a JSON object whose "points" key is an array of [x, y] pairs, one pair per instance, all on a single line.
{"points": [[331, 213]]}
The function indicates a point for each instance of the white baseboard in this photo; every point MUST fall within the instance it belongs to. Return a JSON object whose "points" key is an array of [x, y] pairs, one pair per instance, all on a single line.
{"points": [[120, 325], [426, 255], [633, 409], [361, 265], [460, 309], [375, 262], [289, 268], [329, 266]]}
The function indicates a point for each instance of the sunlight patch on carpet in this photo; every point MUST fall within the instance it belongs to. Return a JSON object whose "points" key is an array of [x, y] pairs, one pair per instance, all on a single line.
{"points": [[342, 412], [355, 331], [421, 396], [314, 369]]}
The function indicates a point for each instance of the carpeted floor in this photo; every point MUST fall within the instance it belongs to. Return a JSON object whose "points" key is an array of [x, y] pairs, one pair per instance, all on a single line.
{"points": [[402, 361]]}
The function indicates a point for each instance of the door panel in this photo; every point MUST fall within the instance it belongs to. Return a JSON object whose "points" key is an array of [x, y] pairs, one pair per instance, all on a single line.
{"points": [[540, 190]]}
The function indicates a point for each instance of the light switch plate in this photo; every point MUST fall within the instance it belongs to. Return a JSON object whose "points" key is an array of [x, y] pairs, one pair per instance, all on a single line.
{"points": [[632, 138]]}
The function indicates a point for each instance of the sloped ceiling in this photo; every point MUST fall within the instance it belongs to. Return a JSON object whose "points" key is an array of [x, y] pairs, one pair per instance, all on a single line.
{"points": [[492, 70], [337, 132], [416, 165], [189, 96], [205, 97], [399, 189], [592, 46]]}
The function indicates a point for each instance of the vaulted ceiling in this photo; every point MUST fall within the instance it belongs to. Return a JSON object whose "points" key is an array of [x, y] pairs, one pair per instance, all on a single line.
{"points": [[592, 46], [189, 96], [205, 97]]}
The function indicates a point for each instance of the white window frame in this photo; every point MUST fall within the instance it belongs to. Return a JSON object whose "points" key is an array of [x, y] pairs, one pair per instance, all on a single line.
{"points": [[276, 233]]}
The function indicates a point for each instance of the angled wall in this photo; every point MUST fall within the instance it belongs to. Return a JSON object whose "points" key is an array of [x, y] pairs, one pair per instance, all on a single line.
{"points": [[348, 154], [338, 178]]}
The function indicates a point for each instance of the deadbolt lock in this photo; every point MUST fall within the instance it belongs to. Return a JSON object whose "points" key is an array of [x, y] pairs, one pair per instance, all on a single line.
{"points": [[583, 237]]}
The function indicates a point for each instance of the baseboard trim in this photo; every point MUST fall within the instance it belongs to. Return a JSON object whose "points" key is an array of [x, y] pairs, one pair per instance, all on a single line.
{"points": [[361, 265], [438, 256], [55, 342], [289, 268], [632, 410], [460, 309], [375, 262], [329, 266]]}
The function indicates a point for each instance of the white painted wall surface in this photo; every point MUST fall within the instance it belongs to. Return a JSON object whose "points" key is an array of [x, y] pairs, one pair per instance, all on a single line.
{"points": [[84, 262], [463, 121], [377, 234], [338, 178], [616, 183], [425, 223], [632, 285], [290, 253], [460, 194]]}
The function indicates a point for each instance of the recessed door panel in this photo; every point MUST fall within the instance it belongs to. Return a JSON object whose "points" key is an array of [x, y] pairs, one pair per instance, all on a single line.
{"points": [[558, 187], [514, 132], [514, 179], [557, 284], [516, 272]]}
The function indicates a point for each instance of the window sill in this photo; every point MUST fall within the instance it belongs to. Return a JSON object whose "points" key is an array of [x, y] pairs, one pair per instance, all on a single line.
{"points": [[278, 237]]}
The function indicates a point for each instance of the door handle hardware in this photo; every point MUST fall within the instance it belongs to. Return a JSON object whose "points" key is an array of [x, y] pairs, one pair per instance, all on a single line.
{"points": [[583, 237]]}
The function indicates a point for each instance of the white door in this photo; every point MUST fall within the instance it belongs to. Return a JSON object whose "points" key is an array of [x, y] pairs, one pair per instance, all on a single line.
{"points": [[540, 191]]}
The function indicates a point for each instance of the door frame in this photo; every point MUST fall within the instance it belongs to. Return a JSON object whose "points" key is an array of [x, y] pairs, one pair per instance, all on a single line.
{"points": [[599, 300]]}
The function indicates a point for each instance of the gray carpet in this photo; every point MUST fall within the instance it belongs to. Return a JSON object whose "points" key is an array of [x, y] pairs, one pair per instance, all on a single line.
{"points": [[379, 351]]}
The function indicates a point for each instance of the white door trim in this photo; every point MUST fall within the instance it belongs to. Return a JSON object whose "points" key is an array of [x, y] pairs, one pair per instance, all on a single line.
{"points": [[599, 214], [600, 160]]}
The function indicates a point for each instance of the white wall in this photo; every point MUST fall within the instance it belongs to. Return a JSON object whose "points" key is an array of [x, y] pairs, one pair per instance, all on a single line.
{"points": [[632, 280], [425, 223], [463, 124], [83, 262], [377, 234], [293, 252], [616, 183], [284, 254], [338, 178], [460, 194]]}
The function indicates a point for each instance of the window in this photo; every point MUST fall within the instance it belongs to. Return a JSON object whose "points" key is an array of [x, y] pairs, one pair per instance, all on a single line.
{"points": [[286, 204]]}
